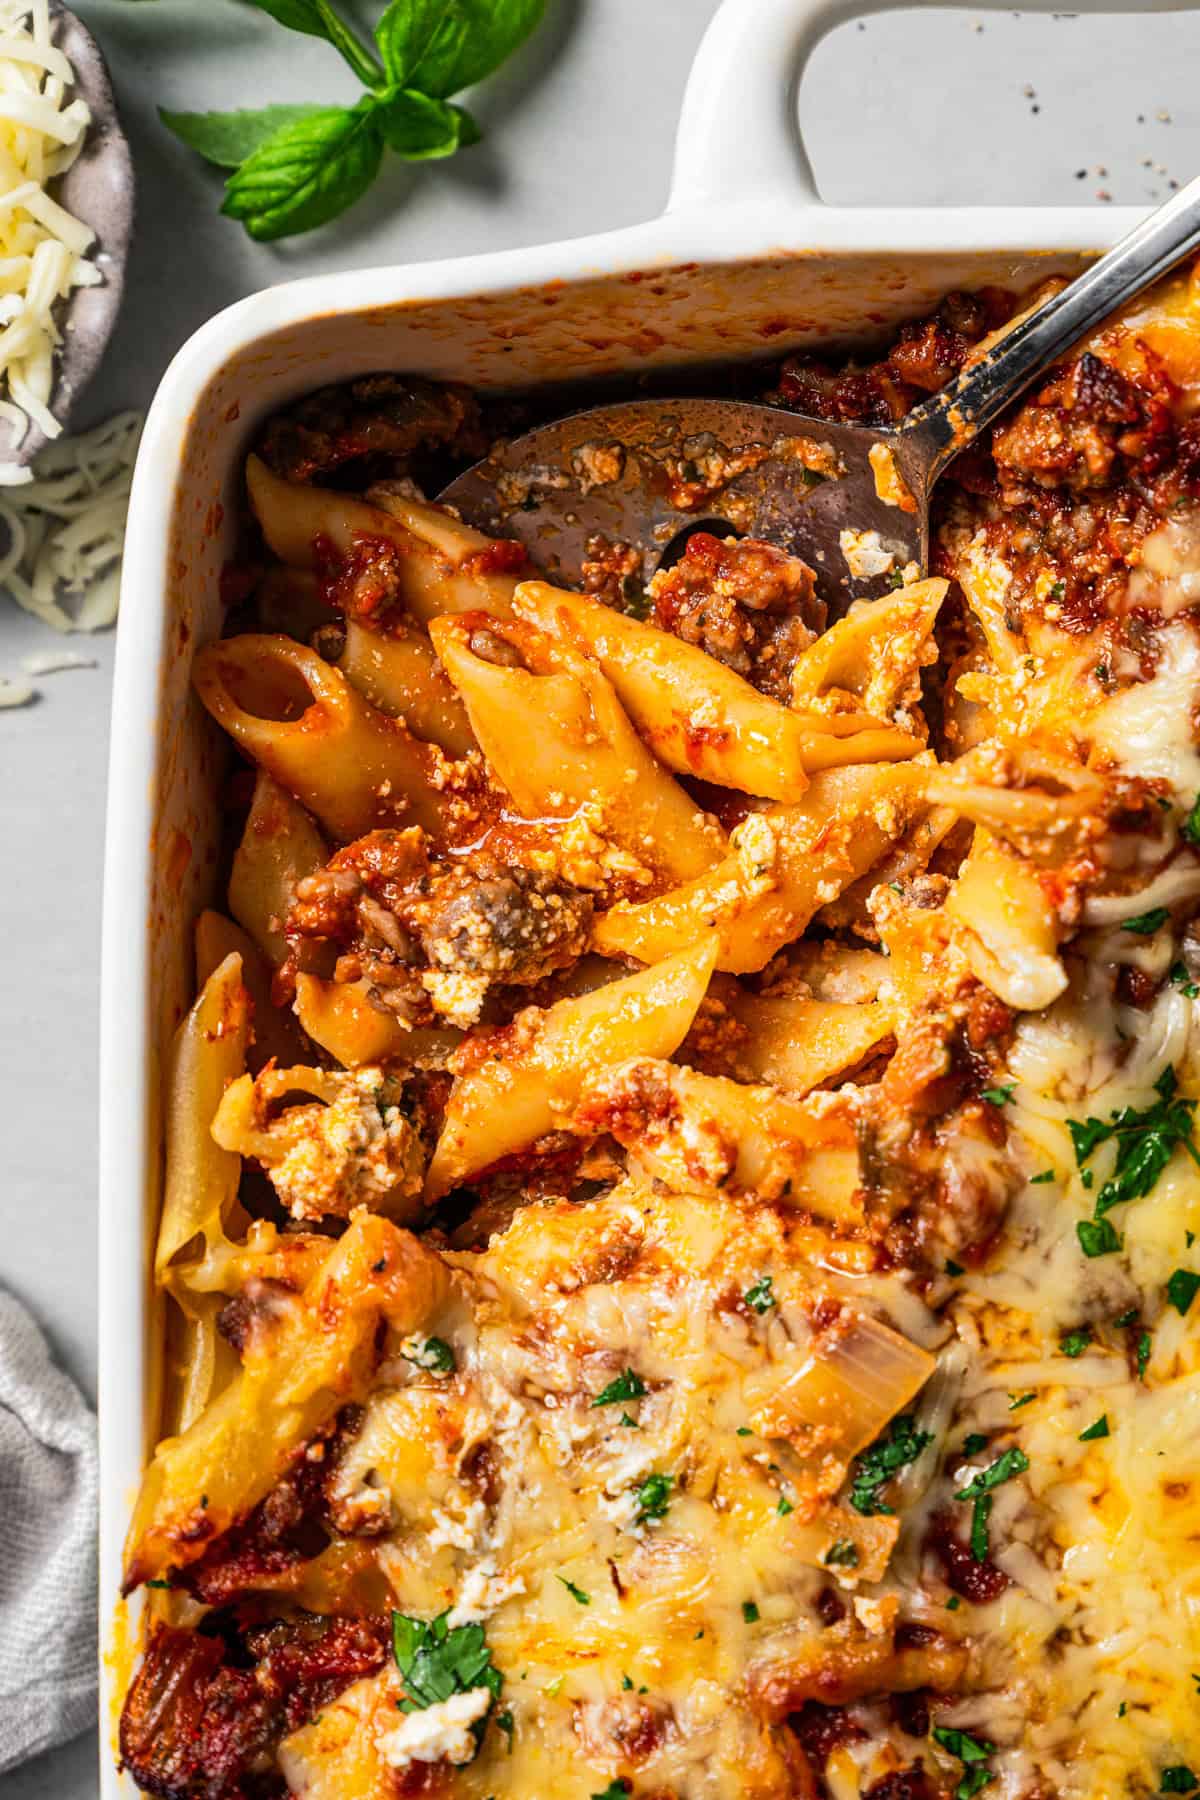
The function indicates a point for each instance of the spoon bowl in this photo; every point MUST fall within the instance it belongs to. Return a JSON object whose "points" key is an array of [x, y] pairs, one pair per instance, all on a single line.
{"points": [[641, 476]]}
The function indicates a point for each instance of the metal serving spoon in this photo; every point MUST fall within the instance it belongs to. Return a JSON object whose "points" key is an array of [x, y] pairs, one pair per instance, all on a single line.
{"points": [[99, 189], [648, 473]]}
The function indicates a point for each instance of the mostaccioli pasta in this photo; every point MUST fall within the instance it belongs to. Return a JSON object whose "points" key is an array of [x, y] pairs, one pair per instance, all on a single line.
{"points": [[679, 1256]]}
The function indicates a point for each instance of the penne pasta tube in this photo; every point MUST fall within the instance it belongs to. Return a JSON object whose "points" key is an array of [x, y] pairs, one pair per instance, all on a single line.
{"points": [[1007, 926], [348, 1146], [317, 1357], [583, 754], [200, 1195], [703, 1133], [525, 1080], [279, 846], [833, 1397], [699, 717], [198, 1361], [339, 1016], [303, 722], [875, 652], [398, 672], [797, 1044], [435, 563], [273, 1034], [784, 865]]}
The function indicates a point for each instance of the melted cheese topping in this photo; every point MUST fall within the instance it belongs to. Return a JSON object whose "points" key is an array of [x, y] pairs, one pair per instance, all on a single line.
{"points": [[42, 246], [632, 1441], [633, 1626]]}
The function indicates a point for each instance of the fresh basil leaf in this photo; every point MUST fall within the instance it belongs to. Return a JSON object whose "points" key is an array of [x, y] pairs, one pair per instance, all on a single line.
{"points": [[228, 138], [307, 172], [1098, 1429], [468, 127], [411, 30], [416, 126], [1191, 824], [492, 31]]}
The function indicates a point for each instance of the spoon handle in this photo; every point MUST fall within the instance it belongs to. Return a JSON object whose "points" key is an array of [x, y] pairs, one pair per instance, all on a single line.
{"points": [[948, 422]]}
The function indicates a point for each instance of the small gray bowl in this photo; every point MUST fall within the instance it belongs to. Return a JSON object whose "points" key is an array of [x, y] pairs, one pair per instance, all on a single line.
{"points": [[99, 189]]}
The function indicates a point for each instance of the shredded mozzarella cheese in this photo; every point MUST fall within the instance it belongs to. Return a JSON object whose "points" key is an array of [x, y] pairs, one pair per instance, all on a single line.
{"points": [[43, 248], [66, 528]]}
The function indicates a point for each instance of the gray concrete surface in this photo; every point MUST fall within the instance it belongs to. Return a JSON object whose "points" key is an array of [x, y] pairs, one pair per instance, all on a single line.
{"points": [[958, 106]]}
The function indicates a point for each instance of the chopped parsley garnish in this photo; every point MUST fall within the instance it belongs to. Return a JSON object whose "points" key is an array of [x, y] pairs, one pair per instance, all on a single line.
{"points": [[954, 1268], [505, 1721], [744, 1431], [785, 1506], [1143, 1354], [653, 1498], [436, 1661], [1145, 1141], [1183, 981], [1145, 924], [432, 1353], [1075, 1342], [842, 1555], [1182, 1289], [1058, 590], [1098, 1430], [999, 1096], [973, 1443], [616, 1790], [877, 1464], [1190, 829], [1040, 1180], [628, 1386], [626, 1684], [1128, 1317], [750, 1612], [576, 1593], [1098, 1237], [157, 1581], [1016, 1401], [953, 1603], [972, 1753], [1178, 1779], [631, 1423], [760, 1296], [979, 1489]]}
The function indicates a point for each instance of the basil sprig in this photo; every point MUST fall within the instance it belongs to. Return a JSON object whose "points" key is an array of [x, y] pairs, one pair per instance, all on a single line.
{"points": [[296, 167]]}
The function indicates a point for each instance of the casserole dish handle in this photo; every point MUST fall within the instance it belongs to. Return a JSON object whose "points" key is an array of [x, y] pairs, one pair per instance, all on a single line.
{"points": [[739, 135]]}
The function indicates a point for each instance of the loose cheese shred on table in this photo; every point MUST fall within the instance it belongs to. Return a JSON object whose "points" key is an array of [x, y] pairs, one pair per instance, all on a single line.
{"points": [[42, 246], [65, 529]]}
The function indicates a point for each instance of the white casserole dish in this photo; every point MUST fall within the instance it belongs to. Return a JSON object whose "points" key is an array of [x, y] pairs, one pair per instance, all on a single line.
{"points": [[745, 261]]}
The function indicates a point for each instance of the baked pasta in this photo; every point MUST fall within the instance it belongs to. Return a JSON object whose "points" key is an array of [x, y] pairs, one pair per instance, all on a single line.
{"points": [[680, 1212]]}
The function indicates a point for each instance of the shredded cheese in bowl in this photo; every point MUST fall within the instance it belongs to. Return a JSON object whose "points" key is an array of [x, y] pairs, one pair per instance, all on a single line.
{"points": [[43, 248]]}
